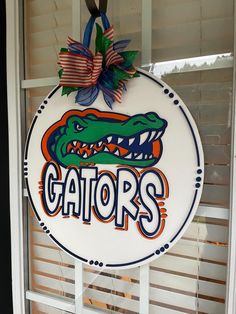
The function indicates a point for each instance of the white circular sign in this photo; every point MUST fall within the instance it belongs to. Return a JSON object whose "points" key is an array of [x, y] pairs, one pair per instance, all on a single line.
{"points": [[115, 188]]}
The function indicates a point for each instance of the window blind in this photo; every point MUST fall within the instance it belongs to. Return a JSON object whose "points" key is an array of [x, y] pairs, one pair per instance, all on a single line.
{"points": [[189, 28], [191, 277], [208, 95], [48, 23], [194, 271], [181, 29], [45, 309]]}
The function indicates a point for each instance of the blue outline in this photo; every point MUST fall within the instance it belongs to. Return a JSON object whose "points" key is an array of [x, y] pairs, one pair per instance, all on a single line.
{"points": [[83, 209], [31, 201], [65, 249], [131, 263], [195, 141], [45, 205], [124, 209], [68, 209], [149, 218], [28, 137], [54, 91], [105, 202], [95, 198], [152, 78], [194, 199]]}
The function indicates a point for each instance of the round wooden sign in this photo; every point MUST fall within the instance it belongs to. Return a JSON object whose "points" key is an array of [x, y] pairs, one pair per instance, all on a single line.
{"points": [[115, 188]]}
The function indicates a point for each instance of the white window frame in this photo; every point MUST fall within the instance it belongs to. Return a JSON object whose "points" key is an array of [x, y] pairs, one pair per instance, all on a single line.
{"points": [[16, 114]]}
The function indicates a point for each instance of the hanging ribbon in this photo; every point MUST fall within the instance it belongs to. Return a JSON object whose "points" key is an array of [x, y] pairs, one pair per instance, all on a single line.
{"points": [[93, 9], [107, 70]]}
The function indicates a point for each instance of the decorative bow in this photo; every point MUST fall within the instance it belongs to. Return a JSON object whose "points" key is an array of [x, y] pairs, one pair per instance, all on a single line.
{"points": [[107, 70]]}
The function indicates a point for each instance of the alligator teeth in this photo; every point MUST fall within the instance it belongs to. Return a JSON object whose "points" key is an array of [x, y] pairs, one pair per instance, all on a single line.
{"points": [[116, 152], [135, 154], [72, 151], [78, 153], [129, 156], [131, 140], [94, 152], [83, 144], [119, 140], [90, 146], [150, 156], [99, 143], [85, 155], [109, 139], [74, 143], [153, 133], [106, 149], [143, 137], [158, 135], [140, 156]]}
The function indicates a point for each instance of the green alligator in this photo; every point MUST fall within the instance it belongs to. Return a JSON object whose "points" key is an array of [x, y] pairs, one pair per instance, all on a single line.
{"points": [[95, 137]]}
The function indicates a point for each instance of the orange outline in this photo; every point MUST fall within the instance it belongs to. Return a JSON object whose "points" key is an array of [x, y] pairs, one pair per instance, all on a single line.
{"points": [[105, 194], [74, 216], [164, 216]]}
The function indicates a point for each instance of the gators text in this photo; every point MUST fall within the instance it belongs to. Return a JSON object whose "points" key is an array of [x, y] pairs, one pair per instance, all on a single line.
{"points": [[128, 196]]}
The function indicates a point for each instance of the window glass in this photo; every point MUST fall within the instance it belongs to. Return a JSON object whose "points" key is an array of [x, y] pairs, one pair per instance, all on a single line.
{"points": [[52, 270], [47, 25], [190, 28], [191, 277], [208, 96], [39, 308]]}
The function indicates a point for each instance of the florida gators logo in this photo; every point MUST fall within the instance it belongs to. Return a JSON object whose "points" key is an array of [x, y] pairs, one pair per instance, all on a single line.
{"points": [[95, 137], [101, 179]]}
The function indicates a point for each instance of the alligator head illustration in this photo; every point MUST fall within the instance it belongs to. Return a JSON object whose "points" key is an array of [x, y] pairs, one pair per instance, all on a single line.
{"points": [[93, 136]]}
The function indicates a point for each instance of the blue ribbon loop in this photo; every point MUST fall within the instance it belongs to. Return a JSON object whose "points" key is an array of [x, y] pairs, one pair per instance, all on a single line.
{"points": [[89, 28]]}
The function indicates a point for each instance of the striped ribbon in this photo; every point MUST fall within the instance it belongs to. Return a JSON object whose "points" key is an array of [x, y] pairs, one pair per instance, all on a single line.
{"points": [[81, 68], [91, 73]]}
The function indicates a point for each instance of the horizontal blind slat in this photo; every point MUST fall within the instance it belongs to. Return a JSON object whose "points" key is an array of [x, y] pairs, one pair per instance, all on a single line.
{"points": [[55, 284], [191, 267], [215, 252]]}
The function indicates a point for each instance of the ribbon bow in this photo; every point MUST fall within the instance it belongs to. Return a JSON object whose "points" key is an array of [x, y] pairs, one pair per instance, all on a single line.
{"points": [[106, 70]]}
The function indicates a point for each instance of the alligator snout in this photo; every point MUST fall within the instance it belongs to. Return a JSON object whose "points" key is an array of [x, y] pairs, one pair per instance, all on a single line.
{"points": [[150, 120]]}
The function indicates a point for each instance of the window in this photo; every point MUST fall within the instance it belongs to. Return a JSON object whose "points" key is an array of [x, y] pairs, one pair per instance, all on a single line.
{"points": [[171, 35]]}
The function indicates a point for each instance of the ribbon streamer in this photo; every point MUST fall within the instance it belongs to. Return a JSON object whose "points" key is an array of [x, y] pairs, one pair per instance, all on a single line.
{"points": [[107, 70]]}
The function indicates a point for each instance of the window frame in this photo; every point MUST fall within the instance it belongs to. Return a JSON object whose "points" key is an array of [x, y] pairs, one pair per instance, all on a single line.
{"points": [[18, 212], [231, 267]]}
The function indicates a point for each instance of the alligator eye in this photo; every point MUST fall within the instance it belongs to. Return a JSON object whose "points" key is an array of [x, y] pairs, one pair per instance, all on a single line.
{"points": [[78, 127]]}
